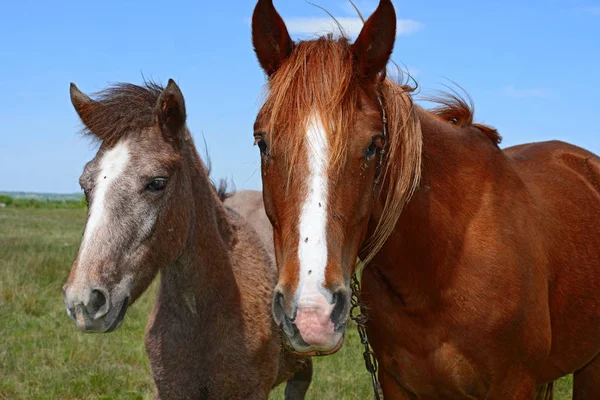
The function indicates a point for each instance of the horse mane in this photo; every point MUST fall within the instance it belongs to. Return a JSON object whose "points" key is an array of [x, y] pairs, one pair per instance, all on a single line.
{"points": [[222, 189], [460, 110], [120, 108], [402, 171]]}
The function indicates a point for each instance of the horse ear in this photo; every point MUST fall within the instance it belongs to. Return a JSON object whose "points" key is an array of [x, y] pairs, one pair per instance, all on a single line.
{"points": [[84, 106], [170, 110], [373, 47], [270, 38]]}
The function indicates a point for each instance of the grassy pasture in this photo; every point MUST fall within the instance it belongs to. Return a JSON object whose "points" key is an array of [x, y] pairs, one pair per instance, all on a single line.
{"points": [[31, 202], [43, 355]]}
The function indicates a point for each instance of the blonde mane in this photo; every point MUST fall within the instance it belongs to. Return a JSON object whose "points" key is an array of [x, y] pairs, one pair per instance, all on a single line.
{"points": [[402, 165], [317, 78]]}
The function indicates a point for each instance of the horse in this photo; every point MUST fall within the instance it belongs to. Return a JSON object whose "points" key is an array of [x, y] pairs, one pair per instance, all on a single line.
{"points": [[482, 265], [152, 207]]}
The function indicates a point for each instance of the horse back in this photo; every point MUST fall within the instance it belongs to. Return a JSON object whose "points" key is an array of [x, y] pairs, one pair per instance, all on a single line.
{"points": [[249, 205]]}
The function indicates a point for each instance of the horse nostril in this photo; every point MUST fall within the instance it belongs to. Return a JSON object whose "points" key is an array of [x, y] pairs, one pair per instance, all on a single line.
{"points": [[278, 305], [341, 307], [280, 315], [96, 302]]}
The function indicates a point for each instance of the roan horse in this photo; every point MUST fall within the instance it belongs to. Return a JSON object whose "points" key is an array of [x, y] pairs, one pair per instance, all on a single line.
{"points": [[483, 270], [152, 207]]}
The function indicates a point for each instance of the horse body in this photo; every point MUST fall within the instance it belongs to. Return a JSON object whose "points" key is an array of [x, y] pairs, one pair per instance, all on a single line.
{"points": [[211, 334], [469, 290], [482, 265], [153, 208]]}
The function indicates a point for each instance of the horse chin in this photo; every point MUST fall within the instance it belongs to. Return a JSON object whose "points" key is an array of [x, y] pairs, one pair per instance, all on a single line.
{"points": [[110, 322], [296, 345]]}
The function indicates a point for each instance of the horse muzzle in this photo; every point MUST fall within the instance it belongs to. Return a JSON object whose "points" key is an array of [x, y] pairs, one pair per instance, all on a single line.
{"points": [[96, 311], [315, 324]]}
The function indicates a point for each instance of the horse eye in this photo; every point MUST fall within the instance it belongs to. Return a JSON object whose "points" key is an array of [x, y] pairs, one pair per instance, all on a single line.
{"points": [[376, 144], [157, 184], [262, 145]]}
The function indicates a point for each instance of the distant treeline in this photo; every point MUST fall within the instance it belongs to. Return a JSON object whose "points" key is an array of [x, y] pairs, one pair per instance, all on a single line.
{"points": [[17, 202]]}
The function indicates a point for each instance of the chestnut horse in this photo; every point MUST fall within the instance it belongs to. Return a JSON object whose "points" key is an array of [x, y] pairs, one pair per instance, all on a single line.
{"points": [[153, 207], [483, 275]]}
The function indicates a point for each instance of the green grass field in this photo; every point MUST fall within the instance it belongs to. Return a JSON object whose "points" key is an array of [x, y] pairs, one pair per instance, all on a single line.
{"points": [[44, 356]]}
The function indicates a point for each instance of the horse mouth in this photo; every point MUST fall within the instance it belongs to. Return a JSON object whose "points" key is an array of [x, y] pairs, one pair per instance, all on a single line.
{"points": [[109, 323], [116, 323], [309, 350]]}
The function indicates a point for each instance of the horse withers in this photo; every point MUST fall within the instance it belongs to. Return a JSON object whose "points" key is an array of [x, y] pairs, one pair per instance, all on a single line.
{"points": [[152, 207], [483, 265]]}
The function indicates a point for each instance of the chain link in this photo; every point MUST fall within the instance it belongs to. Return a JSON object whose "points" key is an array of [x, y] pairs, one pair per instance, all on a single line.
{"points": [[360, 317]]}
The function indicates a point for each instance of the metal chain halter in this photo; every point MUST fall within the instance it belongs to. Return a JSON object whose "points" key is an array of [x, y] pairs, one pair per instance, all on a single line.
{"points": [[360, 318]]}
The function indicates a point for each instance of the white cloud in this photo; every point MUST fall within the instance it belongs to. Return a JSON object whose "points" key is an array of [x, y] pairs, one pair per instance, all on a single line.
{"points": [[351, 25], [512, 92]]}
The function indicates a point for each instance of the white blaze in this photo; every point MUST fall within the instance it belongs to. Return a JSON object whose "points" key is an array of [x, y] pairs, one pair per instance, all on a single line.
{"points": [[112, 165], [312, 249]]}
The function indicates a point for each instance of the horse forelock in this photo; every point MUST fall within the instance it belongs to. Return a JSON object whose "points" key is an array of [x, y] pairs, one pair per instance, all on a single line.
{"points": [[121, 108], [317, 79]]}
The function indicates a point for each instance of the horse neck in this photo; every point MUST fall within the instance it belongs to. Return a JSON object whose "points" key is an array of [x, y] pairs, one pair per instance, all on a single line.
{"points": [[420, 255], [202, 276]]}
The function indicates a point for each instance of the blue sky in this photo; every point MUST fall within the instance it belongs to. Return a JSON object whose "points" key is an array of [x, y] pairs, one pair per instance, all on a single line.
{"points": [[531, 68]]}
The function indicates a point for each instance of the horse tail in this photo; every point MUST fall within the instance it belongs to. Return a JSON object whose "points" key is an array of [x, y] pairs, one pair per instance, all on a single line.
{"points": [[545, 391]]}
